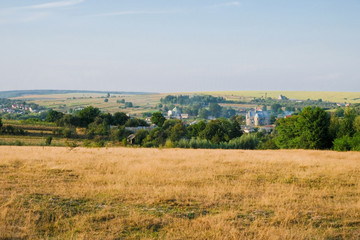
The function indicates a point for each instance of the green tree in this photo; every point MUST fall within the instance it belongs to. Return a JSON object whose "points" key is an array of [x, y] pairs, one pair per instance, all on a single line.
{"points": [[308, 130], [356, 124], [53, 116], [215, 110], [88, 115], [155, 138], [136, 122], [120, 118], [129, 105], [177, 132], [140, 136], [276, 108], [334, 126], [48, 141], [195, 129], [215, 131], [314, 129], [339, 112], [158, 119], [204, 113], [106, 100], [347, 123], [1, 123]]}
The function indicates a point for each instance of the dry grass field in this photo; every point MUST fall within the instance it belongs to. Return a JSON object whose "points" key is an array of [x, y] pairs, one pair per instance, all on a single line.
{"points": [[133, 193], [340, 97]]}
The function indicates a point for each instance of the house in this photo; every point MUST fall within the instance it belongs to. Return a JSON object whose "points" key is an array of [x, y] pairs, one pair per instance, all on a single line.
{"points": [[184, 116], [249, 130], [148, 120], [267, 128], [175, 113], [136, 129], [281, 97], [257, 118]]}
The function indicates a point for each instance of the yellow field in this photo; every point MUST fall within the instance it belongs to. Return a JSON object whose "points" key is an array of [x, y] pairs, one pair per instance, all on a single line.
{"points": [[339, 97], [127, 193], [75, 100]]}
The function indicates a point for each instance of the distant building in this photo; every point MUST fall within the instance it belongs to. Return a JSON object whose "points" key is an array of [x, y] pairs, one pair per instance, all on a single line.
{"points": [[175, 113], [184, 116], [281, 97], [257, 118]]}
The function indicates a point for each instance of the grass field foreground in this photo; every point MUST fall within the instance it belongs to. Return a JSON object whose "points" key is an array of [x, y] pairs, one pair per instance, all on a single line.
{"points": [[124, 193]]}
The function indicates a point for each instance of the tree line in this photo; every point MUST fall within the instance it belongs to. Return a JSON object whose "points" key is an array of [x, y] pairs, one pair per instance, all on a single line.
{"points": [[312, 128]]}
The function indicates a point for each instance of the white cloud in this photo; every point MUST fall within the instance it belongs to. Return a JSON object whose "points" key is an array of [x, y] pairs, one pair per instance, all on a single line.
{"points": [[121, 13], [58, 4], [33, 12], [227, 4]]}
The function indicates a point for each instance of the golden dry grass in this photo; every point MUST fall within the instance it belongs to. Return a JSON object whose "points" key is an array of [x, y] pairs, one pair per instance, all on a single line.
{"points": [[127, 193]]}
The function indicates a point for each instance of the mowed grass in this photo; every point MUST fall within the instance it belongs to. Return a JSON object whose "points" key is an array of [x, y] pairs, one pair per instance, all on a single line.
{"points": [[133, 193]]}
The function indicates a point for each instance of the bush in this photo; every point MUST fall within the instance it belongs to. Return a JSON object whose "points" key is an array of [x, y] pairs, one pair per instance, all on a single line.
{"points": [[71, 144], [248, 141], [347, 143], [48, 141], [169, 144], [343, 143], [18, 143]]}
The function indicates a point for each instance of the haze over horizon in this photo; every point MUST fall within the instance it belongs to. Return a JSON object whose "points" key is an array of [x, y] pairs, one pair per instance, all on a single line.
{"points": [[180, 46]]}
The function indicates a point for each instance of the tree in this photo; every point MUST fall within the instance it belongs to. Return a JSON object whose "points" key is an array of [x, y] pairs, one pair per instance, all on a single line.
{"points": [[140, 136], [308, 130], [356, 124], [177, 132], [158, 119], [347, 123], [195, 129], [314, 129], [106, 100], [53, 116], [120, 118], [204, 113], [1, 123], [339, 112], [136, 122], [88, 115], [276, 108], [215, 110], [215, 131], [334, 126], [128, 104], [156, 137]]}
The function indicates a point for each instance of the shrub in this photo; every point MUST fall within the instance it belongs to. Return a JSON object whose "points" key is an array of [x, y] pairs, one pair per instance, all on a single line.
{"points": [[48, 141], [248, 141], [169, 144], [347, 143]]}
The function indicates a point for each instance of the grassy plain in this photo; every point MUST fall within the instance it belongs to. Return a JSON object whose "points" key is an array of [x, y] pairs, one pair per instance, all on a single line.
{"points": [[63, 102], [149, 102], [133, 193], [338, 97]]}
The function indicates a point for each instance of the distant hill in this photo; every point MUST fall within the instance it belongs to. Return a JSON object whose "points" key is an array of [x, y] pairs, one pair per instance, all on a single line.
{"points": [[19, 93]]}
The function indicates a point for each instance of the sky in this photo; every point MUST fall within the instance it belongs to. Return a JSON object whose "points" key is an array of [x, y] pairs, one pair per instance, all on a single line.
{"points": [[180, 45]]}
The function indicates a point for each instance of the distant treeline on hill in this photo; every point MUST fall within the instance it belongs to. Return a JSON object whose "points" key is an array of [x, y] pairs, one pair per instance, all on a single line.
{"points": [[187, 100], [19, 93]]}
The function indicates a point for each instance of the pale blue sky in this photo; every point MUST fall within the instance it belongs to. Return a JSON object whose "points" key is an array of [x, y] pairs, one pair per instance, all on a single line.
{"points": [[180, 45]]}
